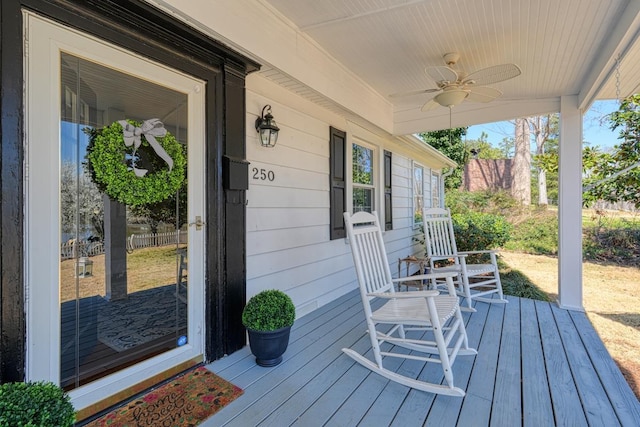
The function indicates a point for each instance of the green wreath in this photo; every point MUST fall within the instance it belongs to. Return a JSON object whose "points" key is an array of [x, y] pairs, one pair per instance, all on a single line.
{"points": [[112, 162]]}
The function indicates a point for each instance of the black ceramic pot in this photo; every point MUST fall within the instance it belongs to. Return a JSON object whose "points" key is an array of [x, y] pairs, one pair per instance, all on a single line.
{"points": [[269, 346]]}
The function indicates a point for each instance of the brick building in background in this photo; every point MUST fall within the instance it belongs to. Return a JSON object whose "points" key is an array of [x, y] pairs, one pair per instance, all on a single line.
{"points": [[487, 174]]}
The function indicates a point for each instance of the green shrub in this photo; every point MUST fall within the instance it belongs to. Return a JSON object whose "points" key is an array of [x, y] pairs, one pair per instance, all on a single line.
{"points": [[536, 235], [480, 231], [269, 310], [35, 404], [459, 201], [617, 245], [488, 201]]}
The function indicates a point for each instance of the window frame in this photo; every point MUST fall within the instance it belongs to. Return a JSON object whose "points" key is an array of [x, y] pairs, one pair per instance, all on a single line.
{"points": [[437, 195]]}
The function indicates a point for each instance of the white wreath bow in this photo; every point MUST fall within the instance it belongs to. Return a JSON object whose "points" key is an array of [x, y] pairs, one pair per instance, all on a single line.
{"points": [[150, 129]]}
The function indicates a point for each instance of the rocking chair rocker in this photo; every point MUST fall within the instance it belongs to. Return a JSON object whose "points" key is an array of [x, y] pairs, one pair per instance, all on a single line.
{"points": [[473, 281], [406, 311]]}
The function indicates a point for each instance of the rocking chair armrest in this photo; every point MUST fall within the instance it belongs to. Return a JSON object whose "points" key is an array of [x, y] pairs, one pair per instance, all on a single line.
{"points": [[429, 276], [488, 251], [401, 295], [449, 256]]}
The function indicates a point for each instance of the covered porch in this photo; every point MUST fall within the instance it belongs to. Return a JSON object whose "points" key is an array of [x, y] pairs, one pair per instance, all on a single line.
{"points": [[537, 365], [367, 61]]}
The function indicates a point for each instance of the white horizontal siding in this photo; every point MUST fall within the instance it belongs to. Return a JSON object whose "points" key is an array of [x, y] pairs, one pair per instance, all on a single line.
{"points": [[259, 242], [274, 218], [288, 245], [282, 197]]}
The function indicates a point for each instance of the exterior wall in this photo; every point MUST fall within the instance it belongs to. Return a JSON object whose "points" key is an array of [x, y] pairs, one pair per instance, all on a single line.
{"points": [[487, 174], [287, 227], [288, 244]]}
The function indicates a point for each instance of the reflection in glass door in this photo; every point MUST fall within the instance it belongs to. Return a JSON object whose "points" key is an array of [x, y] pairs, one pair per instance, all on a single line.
{"points": [[123, 268]]}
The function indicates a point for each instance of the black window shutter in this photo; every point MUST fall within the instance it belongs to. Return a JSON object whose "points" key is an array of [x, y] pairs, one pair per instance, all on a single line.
{"points": [[388, 211], [337, 144]]}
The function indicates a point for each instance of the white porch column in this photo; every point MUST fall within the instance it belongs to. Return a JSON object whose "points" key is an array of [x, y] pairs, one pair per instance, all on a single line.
{"points": [[570, 205]]}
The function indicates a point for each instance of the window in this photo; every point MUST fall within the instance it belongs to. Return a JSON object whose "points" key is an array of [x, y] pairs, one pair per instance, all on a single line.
{"points": [[362, 178], [418, 194], [436, 199], [363, 181]]}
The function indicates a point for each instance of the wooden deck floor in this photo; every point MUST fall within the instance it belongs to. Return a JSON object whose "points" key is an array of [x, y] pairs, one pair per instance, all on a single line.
{"points": [[537, 365]]}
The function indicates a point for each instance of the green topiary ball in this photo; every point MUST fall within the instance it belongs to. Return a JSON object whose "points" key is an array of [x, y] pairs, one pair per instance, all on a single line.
{"points": [[268, 311], [107, 165], [35, 404]]}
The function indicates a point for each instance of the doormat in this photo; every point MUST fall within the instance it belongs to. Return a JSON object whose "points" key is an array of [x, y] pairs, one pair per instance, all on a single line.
{"points": [[142, 317], [185, 401]]}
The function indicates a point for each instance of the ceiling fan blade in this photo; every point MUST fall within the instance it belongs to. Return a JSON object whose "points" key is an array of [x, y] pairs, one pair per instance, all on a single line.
{"points": [[412, 93], [494, 74], [483, 94], [442, 73], [430, 105]]}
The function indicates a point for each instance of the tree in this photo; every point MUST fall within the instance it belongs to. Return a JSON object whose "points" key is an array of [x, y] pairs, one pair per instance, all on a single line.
{"points": [[521, 167], [592, 159], [547, 162], [616, 176], [166, 211], [507, 147], [543, 127], [80, 203], [482, 149], [449, 142]]}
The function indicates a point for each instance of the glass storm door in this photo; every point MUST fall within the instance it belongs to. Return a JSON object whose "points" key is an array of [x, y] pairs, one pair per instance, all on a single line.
{"points": [[114, 272]]}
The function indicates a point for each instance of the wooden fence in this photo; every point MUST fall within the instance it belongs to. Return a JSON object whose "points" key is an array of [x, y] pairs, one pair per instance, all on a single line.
{"points": [[73, 248], [137, 241]]}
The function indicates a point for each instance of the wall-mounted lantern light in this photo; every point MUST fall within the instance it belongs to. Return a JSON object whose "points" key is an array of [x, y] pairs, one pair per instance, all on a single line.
{"points": [[267, 128], [84, 267]]}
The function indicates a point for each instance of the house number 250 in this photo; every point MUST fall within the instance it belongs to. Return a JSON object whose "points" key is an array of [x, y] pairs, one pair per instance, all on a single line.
{"points": [[263, 174]]}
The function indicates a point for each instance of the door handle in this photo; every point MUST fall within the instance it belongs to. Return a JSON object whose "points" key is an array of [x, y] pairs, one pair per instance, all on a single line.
{"points": [[198, 223]]}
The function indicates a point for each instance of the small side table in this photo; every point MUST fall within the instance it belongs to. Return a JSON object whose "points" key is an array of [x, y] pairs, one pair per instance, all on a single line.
{"points": [[423, 264]]}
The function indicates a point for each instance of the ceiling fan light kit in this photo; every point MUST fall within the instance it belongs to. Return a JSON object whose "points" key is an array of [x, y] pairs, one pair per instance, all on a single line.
{"points": [[451, 98]]}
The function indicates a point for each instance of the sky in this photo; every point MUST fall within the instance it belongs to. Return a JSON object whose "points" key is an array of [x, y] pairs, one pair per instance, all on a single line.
{"points": [[594, 132]]}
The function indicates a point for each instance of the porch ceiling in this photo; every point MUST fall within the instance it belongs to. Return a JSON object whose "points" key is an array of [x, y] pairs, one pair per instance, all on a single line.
{"points": [[564, 47]]}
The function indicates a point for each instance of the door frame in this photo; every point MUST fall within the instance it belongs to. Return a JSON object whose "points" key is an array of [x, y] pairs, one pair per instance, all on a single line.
{"points": [[47, 40], [140, 28]]}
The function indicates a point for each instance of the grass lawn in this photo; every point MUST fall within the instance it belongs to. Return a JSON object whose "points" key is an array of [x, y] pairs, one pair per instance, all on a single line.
{"points": [[146, 268], [611, 301]]}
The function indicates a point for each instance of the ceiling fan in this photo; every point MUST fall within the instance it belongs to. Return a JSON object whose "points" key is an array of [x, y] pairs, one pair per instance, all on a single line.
{"points": [[454, 87]]}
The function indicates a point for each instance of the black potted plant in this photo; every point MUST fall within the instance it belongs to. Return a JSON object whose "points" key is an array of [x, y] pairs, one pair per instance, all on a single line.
{"points": [[268, 317], [35, 404]]}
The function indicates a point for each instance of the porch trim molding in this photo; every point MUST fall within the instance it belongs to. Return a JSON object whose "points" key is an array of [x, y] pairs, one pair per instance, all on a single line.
{"points": [[261, 32]]}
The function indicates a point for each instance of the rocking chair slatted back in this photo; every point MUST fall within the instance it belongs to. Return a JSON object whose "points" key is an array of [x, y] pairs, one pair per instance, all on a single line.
{"points": [[372, 266], [439, 237]]}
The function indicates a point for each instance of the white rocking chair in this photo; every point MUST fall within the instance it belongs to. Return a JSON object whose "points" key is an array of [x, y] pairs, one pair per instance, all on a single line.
{"points": [[406, 311], [440, 245]]}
